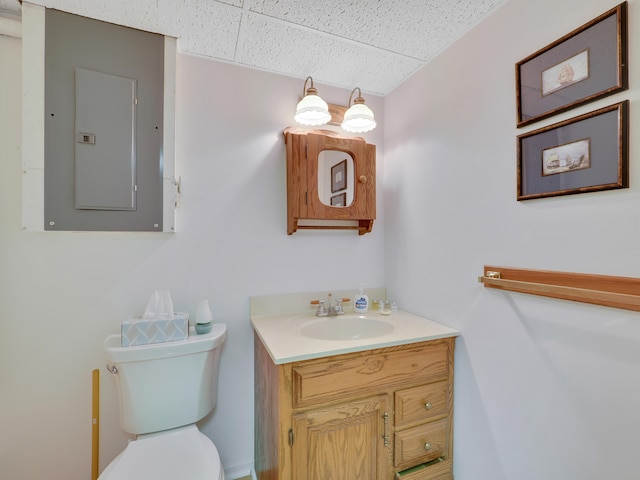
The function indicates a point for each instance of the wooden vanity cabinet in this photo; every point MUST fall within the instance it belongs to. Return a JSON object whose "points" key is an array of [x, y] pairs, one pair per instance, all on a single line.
{"points": [[303, 198], [356, 416]]}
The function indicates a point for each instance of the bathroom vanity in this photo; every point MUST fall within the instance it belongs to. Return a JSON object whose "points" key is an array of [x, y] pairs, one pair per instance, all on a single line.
{"points": [[353, 408]]}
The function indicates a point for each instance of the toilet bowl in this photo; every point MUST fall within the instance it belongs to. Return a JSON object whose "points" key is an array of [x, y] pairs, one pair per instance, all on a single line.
{"points": [[163, 390], [181, 453]]}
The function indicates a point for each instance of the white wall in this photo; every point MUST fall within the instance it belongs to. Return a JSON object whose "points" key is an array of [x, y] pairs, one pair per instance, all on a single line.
{"points": [[62, 293], [545, 389]]}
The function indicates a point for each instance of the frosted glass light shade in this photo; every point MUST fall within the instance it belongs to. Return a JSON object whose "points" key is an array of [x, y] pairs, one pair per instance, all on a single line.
{"points": [[358, 119], [312, 110]]}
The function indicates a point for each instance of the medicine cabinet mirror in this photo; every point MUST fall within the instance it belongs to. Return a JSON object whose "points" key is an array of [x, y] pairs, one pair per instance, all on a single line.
{"points": [[331, 181], [335, 178]]}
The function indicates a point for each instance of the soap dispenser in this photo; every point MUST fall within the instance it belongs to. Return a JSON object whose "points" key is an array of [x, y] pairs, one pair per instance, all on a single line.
{"points": [[361, 303]]}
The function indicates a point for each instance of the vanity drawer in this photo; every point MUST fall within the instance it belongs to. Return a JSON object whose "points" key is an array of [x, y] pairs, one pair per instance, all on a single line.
{"points": [[421, 444], [421, 404], [438, 471], [335, 378]]}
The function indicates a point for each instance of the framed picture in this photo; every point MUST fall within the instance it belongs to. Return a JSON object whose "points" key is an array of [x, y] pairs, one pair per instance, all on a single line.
{"points": [[583, 154], [587, 64], [339, 176], [339, 200]]}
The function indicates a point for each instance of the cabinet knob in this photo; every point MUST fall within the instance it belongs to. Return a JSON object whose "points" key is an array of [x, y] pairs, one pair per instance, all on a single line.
{"points": [[428, 406], [362, 179], [427, 446]]}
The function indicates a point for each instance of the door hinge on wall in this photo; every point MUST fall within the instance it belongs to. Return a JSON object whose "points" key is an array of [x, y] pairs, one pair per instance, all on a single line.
{"points": [[290, 437]]}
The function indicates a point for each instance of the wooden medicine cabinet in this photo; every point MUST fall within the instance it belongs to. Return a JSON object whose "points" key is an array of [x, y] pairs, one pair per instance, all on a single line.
{"points": [[331, 181]]}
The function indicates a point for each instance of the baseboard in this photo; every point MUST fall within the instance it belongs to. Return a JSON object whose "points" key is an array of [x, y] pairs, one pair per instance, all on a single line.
{"points": [[240, 470]]}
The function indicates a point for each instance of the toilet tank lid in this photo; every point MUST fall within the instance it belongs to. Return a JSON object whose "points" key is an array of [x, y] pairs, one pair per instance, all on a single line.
{"points": [[194, 344]]}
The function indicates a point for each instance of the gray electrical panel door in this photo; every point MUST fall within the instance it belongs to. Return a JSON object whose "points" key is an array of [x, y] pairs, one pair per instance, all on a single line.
{"points": [[105, 147], [103, 126]]}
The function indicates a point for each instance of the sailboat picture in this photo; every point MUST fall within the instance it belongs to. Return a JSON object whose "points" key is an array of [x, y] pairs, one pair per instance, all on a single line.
{"points": [[565, 158], [568, 72]]}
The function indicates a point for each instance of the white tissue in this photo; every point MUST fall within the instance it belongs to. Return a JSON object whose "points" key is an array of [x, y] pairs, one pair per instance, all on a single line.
{"points": [[158, 324], [159, 305]]}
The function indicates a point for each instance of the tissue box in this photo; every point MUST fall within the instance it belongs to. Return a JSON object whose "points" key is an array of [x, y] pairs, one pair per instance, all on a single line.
{"points": [[144, 331]]}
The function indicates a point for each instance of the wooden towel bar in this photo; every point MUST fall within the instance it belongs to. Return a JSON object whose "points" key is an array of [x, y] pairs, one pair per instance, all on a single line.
{"points": [[610, 291]]}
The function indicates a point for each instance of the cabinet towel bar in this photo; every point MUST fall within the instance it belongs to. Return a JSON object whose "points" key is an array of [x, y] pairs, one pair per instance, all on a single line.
{"points": [[609, 291]]}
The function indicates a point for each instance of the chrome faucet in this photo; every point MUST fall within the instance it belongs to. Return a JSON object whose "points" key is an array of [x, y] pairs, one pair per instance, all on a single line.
{"points": [[331, 310]]}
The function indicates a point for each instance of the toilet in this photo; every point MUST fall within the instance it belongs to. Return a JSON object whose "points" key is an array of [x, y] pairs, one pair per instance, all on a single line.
{"points": [[163, 390]]}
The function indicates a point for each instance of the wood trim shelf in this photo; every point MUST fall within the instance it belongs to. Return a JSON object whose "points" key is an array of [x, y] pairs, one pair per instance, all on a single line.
{"points": [[609, 291]]}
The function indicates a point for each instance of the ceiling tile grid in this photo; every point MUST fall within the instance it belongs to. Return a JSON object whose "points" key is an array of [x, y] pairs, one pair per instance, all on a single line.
{"points": [[235, 3], [373, 44]]}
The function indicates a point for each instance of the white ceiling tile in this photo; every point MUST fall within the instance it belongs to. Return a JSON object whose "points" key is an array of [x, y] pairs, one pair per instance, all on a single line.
{"points": [[284, 47], [373, 44], [141, 14], [203, 27], [416, 28]]}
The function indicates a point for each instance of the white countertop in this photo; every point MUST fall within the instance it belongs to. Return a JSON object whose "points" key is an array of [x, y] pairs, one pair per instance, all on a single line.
{"points": [[281, 334]]}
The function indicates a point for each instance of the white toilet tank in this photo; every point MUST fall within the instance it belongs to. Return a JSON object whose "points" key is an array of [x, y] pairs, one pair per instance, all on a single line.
{"points": [[166, 385]]}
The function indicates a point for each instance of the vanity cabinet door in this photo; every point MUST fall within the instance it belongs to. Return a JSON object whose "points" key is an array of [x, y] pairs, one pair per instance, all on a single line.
{"points": [[348, 441]]}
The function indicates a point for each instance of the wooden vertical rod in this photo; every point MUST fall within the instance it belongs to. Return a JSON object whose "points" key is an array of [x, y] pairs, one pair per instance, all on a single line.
{"points": [[95, 424]]}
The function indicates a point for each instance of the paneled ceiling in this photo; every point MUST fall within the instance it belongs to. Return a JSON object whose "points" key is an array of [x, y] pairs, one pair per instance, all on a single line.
{"points": [[373, 44]]}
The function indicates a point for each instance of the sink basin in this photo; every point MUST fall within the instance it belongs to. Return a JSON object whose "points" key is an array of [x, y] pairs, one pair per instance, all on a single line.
{"points": [[345, 327]]}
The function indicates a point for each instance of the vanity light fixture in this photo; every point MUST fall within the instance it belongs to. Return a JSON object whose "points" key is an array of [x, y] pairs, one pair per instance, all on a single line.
{"points": [[358, 118], [312, 110]]}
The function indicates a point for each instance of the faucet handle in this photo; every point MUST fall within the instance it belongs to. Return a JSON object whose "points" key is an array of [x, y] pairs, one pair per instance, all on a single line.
{"points": [[339, 309], [322, 310]]}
